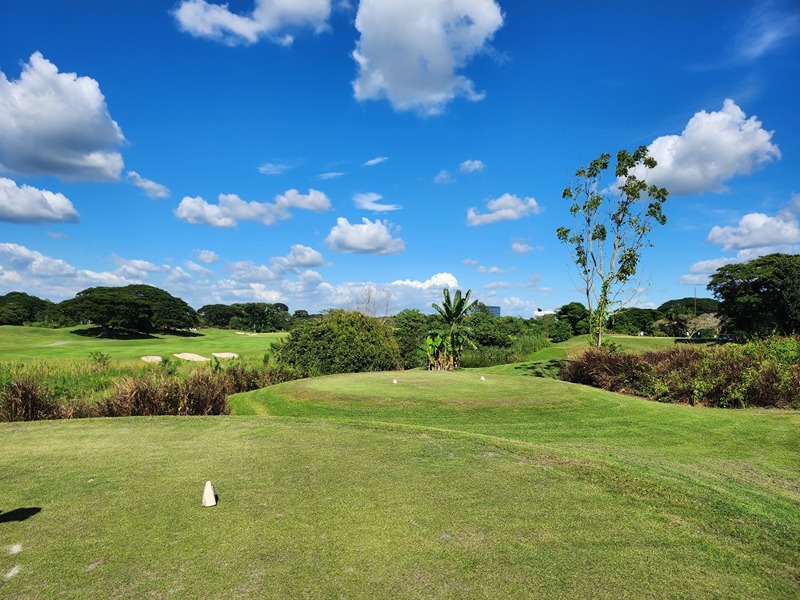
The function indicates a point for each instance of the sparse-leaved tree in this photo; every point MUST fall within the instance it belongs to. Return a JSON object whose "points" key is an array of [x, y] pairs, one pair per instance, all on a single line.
{"points": [[610, 228]]}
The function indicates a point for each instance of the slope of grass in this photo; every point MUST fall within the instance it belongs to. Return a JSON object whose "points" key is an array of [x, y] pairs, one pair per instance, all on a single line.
{"points": [[34, 343], [438, 486]]}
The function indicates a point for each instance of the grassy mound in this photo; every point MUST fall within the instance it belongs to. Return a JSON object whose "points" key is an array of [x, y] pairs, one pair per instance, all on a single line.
{"points": [[438, 486]]}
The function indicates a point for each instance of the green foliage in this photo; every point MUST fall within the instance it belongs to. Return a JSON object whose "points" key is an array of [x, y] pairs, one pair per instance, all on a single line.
{"points": [[141, 308], [761, 297], [631, 321], [690, 306], [340, 342], [17, 308], [760, 373], [487, 330], [411, 328], [454, 312], [610, 229], [577, 315], [519, 350], [561, 331]]}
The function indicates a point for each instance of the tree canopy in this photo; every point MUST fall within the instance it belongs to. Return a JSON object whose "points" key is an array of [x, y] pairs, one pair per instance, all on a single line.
{"points": [[761, 297], [137, 307], [17, 308]]}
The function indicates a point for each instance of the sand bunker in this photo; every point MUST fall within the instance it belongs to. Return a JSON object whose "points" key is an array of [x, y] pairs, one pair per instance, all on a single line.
{"points": [[190, 356], [225, 354], [151, 359]]}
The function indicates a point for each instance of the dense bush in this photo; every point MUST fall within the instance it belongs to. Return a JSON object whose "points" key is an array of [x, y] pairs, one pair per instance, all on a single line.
{"points": [[340, 342], [764, 373], [519, 350]]}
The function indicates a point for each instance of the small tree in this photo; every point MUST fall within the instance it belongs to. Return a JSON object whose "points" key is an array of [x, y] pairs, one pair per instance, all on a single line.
{"points": [[610, 228], [454, 312]]}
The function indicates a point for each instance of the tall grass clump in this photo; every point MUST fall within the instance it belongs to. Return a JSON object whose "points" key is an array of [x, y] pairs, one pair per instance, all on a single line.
{"points": [[488, 356], [101, 387], [762, 373]]}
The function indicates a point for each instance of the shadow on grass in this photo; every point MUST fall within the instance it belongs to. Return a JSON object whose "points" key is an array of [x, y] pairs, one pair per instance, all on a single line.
{"points": [[112, 334], [129, 334], [19, 514], [542, 368]]}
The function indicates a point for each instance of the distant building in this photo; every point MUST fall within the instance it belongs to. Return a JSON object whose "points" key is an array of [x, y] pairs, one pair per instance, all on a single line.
{"points": [[494, 311]]}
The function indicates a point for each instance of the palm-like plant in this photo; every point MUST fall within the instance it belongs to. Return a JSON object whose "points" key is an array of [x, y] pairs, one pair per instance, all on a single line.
{"points": [[454, 311]]}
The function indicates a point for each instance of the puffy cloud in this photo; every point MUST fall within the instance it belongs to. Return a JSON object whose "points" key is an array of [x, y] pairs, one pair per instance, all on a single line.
{"points": [[151, 188], [375, 161], [28, 204], [135, 268], [471, 166], [231, 209], [507, 207], [713, 148], [49, 277], [756, 230], [443, 176], [58, 124], [270, 19], [299, 256], [438, 281], [410, 51], [369, 201], [521, 248], [206, 256], [364, 238]]}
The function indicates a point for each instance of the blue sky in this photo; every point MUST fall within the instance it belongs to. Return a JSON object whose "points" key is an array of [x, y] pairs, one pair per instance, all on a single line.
{"points": [[299, 151]]}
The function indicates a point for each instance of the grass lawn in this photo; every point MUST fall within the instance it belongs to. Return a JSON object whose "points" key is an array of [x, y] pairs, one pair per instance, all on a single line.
{"points": [[34, 343], [439, 486]]}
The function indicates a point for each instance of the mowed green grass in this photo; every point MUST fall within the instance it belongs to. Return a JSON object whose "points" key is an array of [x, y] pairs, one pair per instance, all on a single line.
{"points": [[438, 486], [34, 343], [628, 343]]}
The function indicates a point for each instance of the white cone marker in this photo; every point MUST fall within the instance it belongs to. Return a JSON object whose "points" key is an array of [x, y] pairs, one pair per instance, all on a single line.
{"points": [[209, 495]]}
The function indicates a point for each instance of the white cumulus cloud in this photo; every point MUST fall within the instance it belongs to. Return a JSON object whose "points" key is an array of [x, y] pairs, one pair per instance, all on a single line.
{"points": [[713, 148], [231, 209], [507, 207], [471, 166], [521, 248], [206, 256], [26, 204], [58, 124], [150, 188], [270, 19], [411, 52], [439, 281], [369, 201], [756, 230], [366, 237]]}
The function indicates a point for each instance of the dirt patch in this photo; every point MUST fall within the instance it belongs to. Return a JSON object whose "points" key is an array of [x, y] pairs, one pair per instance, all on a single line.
{"points": [[225, 354], [55, 344], [151, 359]]}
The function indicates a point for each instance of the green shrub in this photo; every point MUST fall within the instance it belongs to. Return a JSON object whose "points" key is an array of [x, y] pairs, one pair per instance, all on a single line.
{"points": [[340, 342], [521, 348]]}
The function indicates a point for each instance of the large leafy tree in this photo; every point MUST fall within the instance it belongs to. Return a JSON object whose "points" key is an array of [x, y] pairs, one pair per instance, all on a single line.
{"points": [[141, 308], [610, 228], [454, 312], [760, 297], [17, 308]]}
